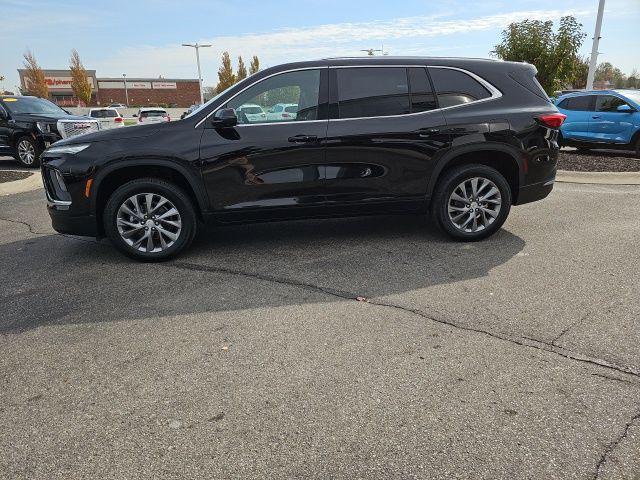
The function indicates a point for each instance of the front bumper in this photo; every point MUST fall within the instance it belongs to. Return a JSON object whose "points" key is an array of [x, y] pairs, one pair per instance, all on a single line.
{"points": [[63, 221]]}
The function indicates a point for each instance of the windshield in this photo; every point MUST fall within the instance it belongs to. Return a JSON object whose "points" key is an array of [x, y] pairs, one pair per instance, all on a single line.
{"points": [[153, 113], [633, 96], [31, 105], [251, 110], [206, 104], [104, 113]]}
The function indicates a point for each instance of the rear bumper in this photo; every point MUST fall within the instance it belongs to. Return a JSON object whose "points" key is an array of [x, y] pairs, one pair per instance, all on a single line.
{"points": [[63, 222], [535, 192]]}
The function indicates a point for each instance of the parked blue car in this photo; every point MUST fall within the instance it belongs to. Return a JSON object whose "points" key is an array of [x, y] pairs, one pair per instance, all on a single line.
{"points": [[601, 119]]}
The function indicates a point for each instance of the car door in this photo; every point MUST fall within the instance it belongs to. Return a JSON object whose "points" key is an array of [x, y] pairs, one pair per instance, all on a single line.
{"points": [[579, 110], [383, 131], [5, 130], [266, 165], [609, 125]]}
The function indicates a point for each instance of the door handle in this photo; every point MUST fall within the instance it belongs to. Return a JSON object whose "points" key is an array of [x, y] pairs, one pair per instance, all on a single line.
{"points": [[427, 132], [596, 116], [303, 139]]}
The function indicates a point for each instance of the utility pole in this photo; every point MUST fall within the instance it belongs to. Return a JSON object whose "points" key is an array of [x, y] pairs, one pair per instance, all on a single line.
{"points": [[126, 92], [198, 46], [594, 50]]}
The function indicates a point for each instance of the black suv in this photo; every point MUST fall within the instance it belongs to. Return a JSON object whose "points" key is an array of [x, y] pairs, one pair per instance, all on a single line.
{"points": [[463, 139], [28, 125]]}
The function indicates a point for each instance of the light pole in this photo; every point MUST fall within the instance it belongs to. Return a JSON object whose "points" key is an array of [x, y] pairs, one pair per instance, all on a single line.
{"points": [[594, 49], [198, 46], [126, 92]]}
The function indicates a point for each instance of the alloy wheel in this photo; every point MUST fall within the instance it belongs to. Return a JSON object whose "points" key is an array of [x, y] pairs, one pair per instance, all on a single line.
{"points": [[474, 204], [148, 222], [26, 152]]}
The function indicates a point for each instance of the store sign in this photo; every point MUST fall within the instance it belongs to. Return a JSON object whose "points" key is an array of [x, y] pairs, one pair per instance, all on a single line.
{"points": [[164, 85], [62, 83], [120, 85]]}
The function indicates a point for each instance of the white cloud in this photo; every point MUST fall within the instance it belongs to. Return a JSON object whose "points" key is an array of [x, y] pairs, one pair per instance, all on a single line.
{"points": [[298, 43]]}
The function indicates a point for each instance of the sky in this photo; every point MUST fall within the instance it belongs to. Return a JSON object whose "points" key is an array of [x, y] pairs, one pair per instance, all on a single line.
{"points": [[143, 38]]}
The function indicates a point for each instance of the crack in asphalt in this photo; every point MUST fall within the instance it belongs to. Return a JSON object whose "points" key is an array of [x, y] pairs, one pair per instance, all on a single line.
{"points": [[34, 232], [520, 341], [28, 225], [613, 445], [570, 327]]}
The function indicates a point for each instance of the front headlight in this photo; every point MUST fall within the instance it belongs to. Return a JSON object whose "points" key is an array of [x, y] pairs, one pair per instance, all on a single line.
{"points": [[43, 127], [68, 149]]}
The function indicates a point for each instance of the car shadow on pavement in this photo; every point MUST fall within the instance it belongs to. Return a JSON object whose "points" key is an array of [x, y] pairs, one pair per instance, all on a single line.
{"points": [[60, 280]]}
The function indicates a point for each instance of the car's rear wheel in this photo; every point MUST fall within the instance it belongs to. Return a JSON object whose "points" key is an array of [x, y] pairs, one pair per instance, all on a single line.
{"points": [[150, 219], [471, 202], [28, 152]]}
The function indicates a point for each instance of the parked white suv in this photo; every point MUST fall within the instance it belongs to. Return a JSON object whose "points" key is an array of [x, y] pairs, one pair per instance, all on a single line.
{"points": [[152, 115], [253, 112], [283, 112], [108, 117]]}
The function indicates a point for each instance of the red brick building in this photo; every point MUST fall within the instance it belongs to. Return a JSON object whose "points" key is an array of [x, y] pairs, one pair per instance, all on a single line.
{"points": [[176, 92], [149, 91]]}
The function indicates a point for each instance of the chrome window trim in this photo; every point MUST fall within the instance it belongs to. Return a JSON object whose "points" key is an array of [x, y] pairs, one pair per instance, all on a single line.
{"points": [[256, 83], [493, 91]]}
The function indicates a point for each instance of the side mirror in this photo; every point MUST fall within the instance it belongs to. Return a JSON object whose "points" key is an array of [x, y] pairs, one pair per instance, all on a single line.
{"points": [[225, 118], [625, 109], [135, 115]]}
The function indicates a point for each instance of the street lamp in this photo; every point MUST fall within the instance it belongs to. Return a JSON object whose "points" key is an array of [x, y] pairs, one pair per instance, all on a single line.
{"points": [[126, 92], [197, 46], [594, 49]]}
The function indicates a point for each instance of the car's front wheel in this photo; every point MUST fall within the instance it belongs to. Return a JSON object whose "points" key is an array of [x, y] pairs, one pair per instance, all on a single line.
{"points": [[471, 202], [150, 219], [28, 152]]}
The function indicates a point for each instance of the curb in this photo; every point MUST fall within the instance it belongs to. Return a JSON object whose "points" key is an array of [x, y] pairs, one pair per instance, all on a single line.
{"points": [[598, 178], [32, 182]]}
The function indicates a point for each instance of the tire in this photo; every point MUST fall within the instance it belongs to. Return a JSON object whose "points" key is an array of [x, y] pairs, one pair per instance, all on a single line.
{"points": [[489, 216], [125, 224], [638, 147], [28, 152]]}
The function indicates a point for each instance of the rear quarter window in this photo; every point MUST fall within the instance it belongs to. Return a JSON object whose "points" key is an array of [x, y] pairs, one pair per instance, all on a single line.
{"points": [[583, 103], [454, 87]]}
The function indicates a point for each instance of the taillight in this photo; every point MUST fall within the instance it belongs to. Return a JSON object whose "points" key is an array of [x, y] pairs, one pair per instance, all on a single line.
{"points": [[168, 118], [118, 119], [139, 119], [552, 120]]}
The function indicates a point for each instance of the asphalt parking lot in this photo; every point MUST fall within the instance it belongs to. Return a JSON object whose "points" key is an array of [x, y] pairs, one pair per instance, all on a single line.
{"points": [[350, 348]]}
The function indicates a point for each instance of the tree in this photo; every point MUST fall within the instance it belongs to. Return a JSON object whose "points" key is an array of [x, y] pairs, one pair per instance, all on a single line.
{"points": [[581, 72], [553, 54], [255, 65], [35, 83], [79, 81], [242, 70], [226, 78], [633, 81], [605, 72]]}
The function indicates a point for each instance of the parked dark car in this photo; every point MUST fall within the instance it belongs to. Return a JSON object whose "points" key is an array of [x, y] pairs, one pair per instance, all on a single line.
{"points": [[28, 125], [461, 139]]}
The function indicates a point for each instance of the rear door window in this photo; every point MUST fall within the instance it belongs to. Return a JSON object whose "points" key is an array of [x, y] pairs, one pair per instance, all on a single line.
{"points": [[372, 92], [582, 103], [454, 87]]}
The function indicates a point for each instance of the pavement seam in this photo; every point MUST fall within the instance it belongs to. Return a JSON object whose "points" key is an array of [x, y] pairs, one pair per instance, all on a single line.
{"points": [[613, 445], [520, 341], [33, 232]]}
